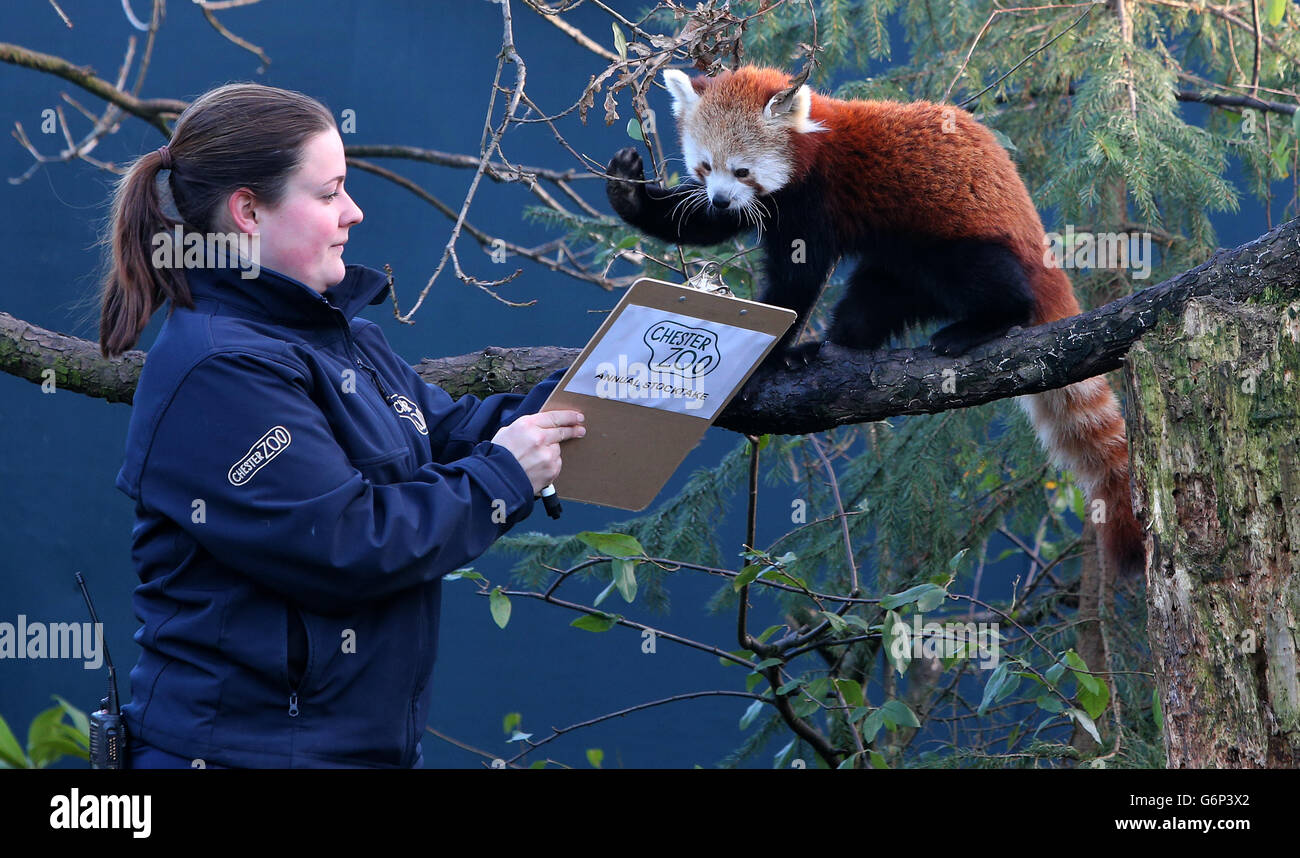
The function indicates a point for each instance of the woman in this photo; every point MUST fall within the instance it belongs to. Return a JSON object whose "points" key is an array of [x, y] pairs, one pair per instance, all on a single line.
{"points": [[299, 489]]}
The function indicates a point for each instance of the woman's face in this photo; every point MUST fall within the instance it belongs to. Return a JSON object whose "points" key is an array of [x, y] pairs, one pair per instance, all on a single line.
{"points": [[303, 236]]}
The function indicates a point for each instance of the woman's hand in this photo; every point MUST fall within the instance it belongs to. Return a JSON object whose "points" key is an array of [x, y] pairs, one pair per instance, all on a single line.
{"points": [[535, 441]]}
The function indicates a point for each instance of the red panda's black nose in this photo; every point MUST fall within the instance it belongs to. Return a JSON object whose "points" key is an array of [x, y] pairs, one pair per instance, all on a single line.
{"points": [[721, 201]]}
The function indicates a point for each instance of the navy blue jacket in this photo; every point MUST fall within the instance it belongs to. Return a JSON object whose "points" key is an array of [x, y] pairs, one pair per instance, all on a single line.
{"points": [[300, 491]]}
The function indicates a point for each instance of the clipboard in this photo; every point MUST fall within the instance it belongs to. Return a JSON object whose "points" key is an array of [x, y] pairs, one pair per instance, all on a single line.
{"points": [[651, 381]]}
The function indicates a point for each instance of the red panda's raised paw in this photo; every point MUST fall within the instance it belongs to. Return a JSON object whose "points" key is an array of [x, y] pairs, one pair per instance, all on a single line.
{"points": [[624, 196]]}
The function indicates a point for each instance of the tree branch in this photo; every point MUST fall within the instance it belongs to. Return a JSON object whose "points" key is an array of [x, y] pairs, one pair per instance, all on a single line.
{"points": [[843, 386], [152, 111], [840, 387]]}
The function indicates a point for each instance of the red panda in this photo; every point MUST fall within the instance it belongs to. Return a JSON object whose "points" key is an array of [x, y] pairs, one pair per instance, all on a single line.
{"points": [[929, 204]]}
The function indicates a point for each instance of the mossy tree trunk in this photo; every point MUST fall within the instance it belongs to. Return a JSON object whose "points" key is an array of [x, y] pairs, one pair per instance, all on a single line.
{"points": [[1214, 430]]}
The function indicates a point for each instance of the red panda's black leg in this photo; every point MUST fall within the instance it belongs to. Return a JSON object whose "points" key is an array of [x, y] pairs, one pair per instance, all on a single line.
{"points": [[681, 214], [876, 306], [796, 270], [985, 292]]}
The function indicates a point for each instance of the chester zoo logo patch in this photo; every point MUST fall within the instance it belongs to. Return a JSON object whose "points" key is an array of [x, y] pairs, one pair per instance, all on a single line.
{"points": [[408, 409], [273, 443], [681, 349]]}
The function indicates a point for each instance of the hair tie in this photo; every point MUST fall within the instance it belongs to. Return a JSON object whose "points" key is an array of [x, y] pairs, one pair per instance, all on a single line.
{"points": [[166, 155]]}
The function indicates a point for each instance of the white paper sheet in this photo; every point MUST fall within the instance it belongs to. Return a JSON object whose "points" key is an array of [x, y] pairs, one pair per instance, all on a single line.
{"points": [[657, 359]]}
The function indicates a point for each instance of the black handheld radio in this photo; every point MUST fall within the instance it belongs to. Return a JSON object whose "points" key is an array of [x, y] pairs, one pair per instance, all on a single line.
{"points": [[107, 730]]}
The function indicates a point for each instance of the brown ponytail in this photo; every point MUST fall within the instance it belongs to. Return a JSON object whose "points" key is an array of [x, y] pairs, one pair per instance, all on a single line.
{"points": [[241, 135]]}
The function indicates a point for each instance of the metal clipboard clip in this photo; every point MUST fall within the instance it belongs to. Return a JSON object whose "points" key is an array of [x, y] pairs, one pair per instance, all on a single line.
{"points": [[709, 280]]}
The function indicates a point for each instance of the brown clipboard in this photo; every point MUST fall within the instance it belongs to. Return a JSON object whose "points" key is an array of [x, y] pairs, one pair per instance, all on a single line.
{"points": [[630, 451]]}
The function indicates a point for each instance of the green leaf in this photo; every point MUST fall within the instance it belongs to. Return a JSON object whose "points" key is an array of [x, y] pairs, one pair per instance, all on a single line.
{"points": [[1276, 9], [42, 735], [539, 764], [819, 688], [57, 745], [77, 738], [767, 662], [878, 760], [770, 574], [781, 757], [620, 41], [603, 593], [1156, 710], [763, 441], [910, 595], [837, 623], [804, 706], [898, 712], [858, 714], [933, 599], [1077, 502], [79, 719], [852, 691], [1003, 139], [499, 604], [1050, 703], [625, 577], [750, 714], [11, 753], [634, 131], [956, 558], [747, 575], [595, 756], [613, 544], [1088, 683], [1084, 721], [992, 690], [511, 721], [464, 573], [1054, 672], [898, 642], [740, 653], [593, 623], [857, 622], [1094, 702], [789, 686], [872, 725], [768, 632], [751, 680], [1295, 123]]}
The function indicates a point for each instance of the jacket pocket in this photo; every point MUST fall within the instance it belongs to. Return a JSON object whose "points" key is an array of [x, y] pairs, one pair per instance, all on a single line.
{"points": [[390, 467], [297, 650]]}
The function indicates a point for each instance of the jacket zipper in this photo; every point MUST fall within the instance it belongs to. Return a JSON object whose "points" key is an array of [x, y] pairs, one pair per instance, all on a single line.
{"points": [[371, 371], [293, 689], [374, 375]]}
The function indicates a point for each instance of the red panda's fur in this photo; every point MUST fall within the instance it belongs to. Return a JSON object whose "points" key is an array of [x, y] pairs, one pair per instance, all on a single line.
{"points": [[932, 169]]}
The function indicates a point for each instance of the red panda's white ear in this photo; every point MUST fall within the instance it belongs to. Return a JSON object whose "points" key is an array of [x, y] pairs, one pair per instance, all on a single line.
{"points": [[684, 95], [794, 110]]}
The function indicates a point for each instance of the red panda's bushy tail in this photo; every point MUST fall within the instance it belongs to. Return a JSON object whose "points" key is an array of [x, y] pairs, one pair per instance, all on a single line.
{"points": [[1082, 427]]}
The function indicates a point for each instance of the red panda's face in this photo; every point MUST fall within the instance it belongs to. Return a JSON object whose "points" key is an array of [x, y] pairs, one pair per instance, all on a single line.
{"points": [[733, 141]]}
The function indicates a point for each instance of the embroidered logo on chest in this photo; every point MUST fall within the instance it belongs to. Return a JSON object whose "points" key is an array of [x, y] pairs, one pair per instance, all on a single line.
{"points": [[273, 443], [408, 409]]}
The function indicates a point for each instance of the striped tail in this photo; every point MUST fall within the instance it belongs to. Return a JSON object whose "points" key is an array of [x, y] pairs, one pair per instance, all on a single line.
{"points": [[1082, 427]]}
